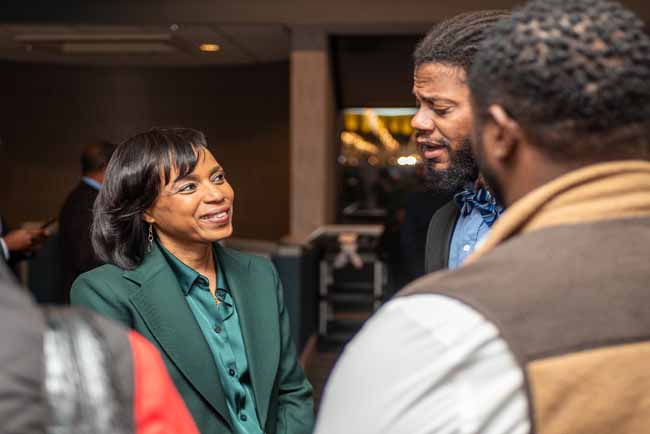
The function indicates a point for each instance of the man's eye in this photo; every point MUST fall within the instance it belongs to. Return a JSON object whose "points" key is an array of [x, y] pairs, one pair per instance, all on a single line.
{"points": [[441, 111], [187, 188]]}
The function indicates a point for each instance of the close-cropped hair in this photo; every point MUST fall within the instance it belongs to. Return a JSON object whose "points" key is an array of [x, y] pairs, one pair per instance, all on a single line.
{"points": [[455, 41], [96, 156], [138, 168], [574, 74]]}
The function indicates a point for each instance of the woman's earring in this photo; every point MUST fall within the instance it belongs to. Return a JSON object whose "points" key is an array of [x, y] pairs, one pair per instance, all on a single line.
{"points": [[150, 238]]}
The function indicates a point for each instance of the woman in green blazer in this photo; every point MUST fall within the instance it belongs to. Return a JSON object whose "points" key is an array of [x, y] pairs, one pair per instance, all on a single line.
{"points": [[216, 315]]}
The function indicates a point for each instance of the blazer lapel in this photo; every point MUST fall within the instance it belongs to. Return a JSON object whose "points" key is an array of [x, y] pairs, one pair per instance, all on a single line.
{"points": [[162, 305], [441, 229], [256, 304]]}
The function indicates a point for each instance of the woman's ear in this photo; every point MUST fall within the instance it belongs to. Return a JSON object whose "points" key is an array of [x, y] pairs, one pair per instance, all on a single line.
{"points": [[505, 132], [148, 218]]}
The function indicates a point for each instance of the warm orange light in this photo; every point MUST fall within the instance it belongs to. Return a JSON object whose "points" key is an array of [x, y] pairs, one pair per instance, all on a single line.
{"points": [[209, 48]]}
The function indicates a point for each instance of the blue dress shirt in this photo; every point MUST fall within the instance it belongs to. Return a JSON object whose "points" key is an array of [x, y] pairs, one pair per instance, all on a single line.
{"points": [[91, 182], [469, 230]]}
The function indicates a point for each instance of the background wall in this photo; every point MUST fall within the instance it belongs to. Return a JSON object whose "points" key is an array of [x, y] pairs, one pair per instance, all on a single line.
{"points": [[48, 113], [374, 70]]}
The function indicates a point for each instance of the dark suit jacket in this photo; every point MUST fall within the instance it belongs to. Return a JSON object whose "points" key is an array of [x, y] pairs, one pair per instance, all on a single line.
{"points": [[421, 205], [150, 300], [441, 229], [77, 254]]}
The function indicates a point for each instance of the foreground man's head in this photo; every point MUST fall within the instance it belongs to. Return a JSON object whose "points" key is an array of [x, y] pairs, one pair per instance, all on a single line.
{"points": [[559, 86]]}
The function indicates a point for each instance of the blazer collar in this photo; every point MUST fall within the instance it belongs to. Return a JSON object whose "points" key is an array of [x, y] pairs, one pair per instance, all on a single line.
{"points": [[155, 261]]}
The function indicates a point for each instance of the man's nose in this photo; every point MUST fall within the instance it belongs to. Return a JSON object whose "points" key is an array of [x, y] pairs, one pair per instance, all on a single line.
{"points": [[422, 120]]}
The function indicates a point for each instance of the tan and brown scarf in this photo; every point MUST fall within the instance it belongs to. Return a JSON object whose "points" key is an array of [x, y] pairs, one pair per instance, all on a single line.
{"points": [[605, 191]]}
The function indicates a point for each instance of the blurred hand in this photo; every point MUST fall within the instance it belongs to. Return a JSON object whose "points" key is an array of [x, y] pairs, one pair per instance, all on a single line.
{"points": [[25, 240]]}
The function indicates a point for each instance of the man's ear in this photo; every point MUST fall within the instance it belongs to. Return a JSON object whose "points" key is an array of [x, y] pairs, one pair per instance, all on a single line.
{"points": [[504, 133]]}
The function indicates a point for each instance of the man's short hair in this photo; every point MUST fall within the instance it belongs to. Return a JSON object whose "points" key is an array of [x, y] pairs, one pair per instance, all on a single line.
{"points": [[454, 42], [96, 156], [574, 74]]}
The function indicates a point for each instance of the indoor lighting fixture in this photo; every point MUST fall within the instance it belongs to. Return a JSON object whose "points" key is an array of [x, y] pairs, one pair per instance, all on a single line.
{"points": [[209, 48]]}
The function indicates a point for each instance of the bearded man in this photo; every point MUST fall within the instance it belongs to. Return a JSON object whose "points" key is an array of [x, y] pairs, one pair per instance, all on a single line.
{"points": [[443, 125]]}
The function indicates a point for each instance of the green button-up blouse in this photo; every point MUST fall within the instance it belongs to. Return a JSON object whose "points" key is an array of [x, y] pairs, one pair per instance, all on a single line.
{"points": [[220, 326]]}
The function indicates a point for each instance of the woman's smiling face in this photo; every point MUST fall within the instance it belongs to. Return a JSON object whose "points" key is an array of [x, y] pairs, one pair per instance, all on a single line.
{"points": [[196, 208]]}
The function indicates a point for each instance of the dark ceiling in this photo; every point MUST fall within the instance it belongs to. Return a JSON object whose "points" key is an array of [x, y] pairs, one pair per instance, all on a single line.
{"points": [[373, 71]]}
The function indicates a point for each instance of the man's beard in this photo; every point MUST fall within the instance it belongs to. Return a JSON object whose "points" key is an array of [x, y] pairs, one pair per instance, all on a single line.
{"points": [[462, 169]]}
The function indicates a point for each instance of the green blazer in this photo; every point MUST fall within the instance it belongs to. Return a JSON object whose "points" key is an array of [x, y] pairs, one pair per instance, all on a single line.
{"points": [[149, 300]]}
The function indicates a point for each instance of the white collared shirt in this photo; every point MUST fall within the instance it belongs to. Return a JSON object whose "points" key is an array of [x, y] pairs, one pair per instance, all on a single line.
{"points": [[425, 364]]}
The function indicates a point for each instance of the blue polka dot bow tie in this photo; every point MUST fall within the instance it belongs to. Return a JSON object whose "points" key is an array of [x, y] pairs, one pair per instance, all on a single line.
{"points": [[482, 200]]}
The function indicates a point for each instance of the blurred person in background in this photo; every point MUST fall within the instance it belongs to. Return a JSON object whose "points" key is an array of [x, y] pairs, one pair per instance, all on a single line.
{"points": [[19, 244], [76, 216], [391, 191], [216, 315]]}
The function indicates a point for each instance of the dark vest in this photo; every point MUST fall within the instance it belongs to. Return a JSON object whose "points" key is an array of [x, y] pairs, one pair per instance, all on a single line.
{"points": [[573, 304]]}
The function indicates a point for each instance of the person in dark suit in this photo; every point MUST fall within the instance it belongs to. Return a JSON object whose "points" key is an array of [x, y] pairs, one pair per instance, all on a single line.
{"points": [[217, 315], [443, 126], [76, 216]]}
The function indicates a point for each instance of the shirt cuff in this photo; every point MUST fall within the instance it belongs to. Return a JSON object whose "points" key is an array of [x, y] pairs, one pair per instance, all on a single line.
{"points": [[5, 249]]}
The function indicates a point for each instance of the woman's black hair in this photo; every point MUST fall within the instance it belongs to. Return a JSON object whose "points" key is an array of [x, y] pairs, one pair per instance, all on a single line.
{"points": [[132, 184]]}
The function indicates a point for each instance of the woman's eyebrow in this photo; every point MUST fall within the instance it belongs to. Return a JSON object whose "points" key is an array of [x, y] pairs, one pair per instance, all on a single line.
{"points": [[192, 177], [189, 176]]}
